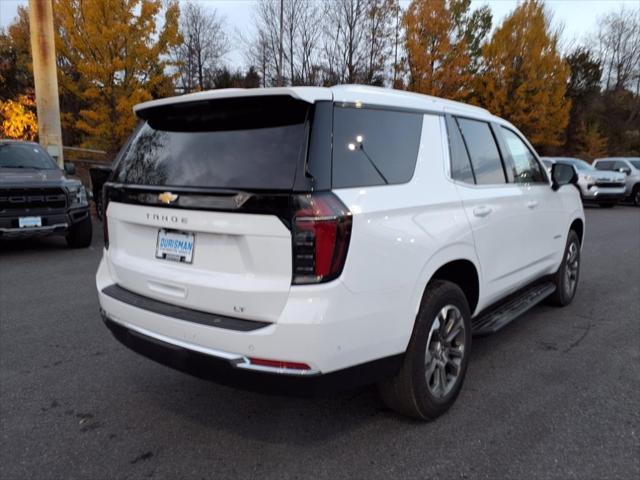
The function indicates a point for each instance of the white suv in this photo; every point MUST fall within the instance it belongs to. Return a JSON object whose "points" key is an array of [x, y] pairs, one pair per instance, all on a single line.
{"points": [[312, 238]]}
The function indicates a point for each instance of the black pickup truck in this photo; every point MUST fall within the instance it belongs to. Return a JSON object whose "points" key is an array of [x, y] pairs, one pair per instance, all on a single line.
{"points": [[38, 199]]}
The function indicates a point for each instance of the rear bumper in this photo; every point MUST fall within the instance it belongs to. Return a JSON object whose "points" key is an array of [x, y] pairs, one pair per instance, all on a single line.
{"points": [[327, 328], [226, 369]]}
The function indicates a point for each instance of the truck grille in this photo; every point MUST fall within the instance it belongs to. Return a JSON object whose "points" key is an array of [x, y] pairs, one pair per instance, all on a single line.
{"points": [[21, 199], [609, 184]]}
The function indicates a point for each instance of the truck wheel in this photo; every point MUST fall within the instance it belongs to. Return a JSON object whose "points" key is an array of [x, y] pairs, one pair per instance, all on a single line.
{"points": [[436, 359], [635, 196], [79, 235], [567, 276]]}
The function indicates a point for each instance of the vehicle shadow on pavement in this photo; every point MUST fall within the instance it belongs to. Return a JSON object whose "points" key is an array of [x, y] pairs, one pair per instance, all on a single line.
{"points": [[33, 244]]}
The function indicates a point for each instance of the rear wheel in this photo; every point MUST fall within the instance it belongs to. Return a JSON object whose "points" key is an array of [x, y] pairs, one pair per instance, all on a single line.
{"points": [[436, 360], [79, 235], [635, 195], [567, 276]]}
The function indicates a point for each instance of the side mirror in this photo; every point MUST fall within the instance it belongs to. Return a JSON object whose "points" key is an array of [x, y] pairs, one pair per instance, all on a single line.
{"points": [[626, 171], [69, 168], [562, 174]]}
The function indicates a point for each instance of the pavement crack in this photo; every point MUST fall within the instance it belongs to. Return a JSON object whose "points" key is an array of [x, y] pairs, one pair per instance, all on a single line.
{"points": [[587, 329]]}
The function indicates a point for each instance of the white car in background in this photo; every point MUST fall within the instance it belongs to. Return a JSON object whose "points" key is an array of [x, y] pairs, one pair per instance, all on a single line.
{"points": [[596, 186], [309, 238], [630, 167]]}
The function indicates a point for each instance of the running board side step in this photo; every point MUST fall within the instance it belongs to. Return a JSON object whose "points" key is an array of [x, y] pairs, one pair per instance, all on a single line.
{"points": [[492, 320]]}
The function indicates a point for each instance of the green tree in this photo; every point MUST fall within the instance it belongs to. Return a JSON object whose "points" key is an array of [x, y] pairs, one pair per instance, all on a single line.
{"points": [[584, 92], [111, 56], [524, 78]]}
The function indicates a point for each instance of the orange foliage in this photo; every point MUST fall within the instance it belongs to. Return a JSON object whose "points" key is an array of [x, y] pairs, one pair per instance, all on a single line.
{"points": [[17, 119], [524, 78], [438, 62]]}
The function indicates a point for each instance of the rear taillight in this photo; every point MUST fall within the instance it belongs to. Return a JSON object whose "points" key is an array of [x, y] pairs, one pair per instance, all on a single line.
{"points": [[105, 223], [321, 229]]}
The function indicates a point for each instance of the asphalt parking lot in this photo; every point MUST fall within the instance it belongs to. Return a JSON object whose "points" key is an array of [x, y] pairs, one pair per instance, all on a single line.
{"points": [[554, 395]]}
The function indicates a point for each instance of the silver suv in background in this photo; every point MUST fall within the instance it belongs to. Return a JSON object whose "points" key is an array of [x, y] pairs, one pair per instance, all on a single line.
{"points": [[630, 167], [596, 186]]}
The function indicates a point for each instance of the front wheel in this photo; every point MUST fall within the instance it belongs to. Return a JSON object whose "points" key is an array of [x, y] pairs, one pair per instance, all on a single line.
{"points": [[567, 276], [635, 196], [435, 362], [79, 235]]}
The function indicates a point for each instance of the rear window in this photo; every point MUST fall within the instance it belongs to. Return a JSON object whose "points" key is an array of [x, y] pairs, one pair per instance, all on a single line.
{"points": [[374, 147], [248, 143]]}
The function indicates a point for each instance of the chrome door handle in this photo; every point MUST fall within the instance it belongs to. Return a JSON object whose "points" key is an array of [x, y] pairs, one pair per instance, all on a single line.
{"points": [[532, 204], [482, 211]]}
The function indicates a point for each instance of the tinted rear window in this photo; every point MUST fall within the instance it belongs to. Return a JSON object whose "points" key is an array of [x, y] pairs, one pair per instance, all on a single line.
{"points": [[240, 144], [371, 145]]}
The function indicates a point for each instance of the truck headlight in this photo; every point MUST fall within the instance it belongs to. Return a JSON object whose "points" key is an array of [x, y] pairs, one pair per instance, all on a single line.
{"points": [[78, 196]]}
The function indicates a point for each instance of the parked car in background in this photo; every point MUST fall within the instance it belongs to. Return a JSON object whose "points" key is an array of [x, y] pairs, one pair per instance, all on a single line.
{"points": [[311, 238], [596, 186], [630, 167], [37, 198]]}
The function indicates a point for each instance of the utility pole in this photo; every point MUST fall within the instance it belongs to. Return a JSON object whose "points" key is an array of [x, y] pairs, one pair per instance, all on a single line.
{"points": [[45, 77], [280, 79]]}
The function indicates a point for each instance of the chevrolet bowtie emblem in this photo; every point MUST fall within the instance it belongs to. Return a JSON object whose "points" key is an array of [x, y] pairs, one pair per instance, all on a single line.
{"points": [[167, 197]]}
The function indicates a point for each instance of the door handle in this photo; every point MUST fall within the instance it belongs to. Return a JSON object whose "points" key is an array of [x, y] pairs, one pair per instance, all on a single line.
{"points": [[482, 211], [532, 204]]}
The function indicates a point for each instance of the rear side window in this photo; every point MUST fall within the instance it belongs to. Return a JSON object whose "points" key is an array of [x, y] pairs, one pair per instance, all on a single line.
{"points": [[482, 148], [239, 144], [374, 147], [526, 167]]}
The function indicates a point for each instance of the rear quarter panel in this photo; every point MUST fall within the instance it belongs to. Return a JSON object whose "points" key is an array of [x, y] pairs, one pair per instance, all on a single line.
{"points": [[401, 235]]}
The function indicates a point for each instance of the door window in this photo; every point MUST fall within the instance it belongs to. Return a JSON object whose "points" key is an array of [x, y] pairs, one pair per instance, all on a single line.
{"points": [[460, 163], [482, 148], [526, 168]]}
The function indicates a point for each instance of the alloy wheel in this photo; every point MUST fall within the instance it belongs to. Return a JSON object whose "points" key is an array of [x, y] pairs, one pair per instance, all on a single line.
{"points": [[445, 351], [572, 267]]}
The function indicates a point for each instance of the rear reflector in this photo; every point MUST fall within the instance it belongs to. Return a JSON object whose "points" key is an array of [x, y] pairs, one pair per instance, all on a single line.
{"points": [[263, 362], [320, 235]]}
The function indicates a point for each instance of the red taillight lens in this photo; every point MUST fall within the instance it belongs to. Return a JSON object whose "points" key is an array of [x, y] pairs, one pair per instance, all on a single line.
{"points": [[263, 362], [105, 223], [321, 229]]}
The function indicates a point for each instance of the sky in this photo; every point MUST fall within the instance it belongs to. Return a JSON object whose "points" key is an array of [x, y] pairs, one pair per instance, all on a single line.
{"points": [[577, 16]]}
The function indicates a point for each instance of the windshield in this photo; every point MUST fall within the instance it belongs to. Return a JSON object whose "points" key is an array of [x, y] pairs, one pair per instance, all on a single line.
{"points": [[635, 163], [254, 144], [25, 155], [579, 164]]}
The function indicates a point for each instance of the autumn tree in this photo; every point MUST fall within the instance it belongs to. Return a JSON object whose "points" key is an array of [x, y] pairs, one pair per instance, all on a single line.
{"points": [[111, 56], [203, 44], [524, 78], [439, 37], [18, 118]]}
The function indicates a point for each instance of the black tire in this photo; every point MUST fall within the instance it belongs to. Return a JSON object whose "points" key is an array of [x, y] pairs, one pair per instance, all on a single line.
{"points": [[570, 268], [635, 195], [79, 235], [410, 392], [607, 205]]}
